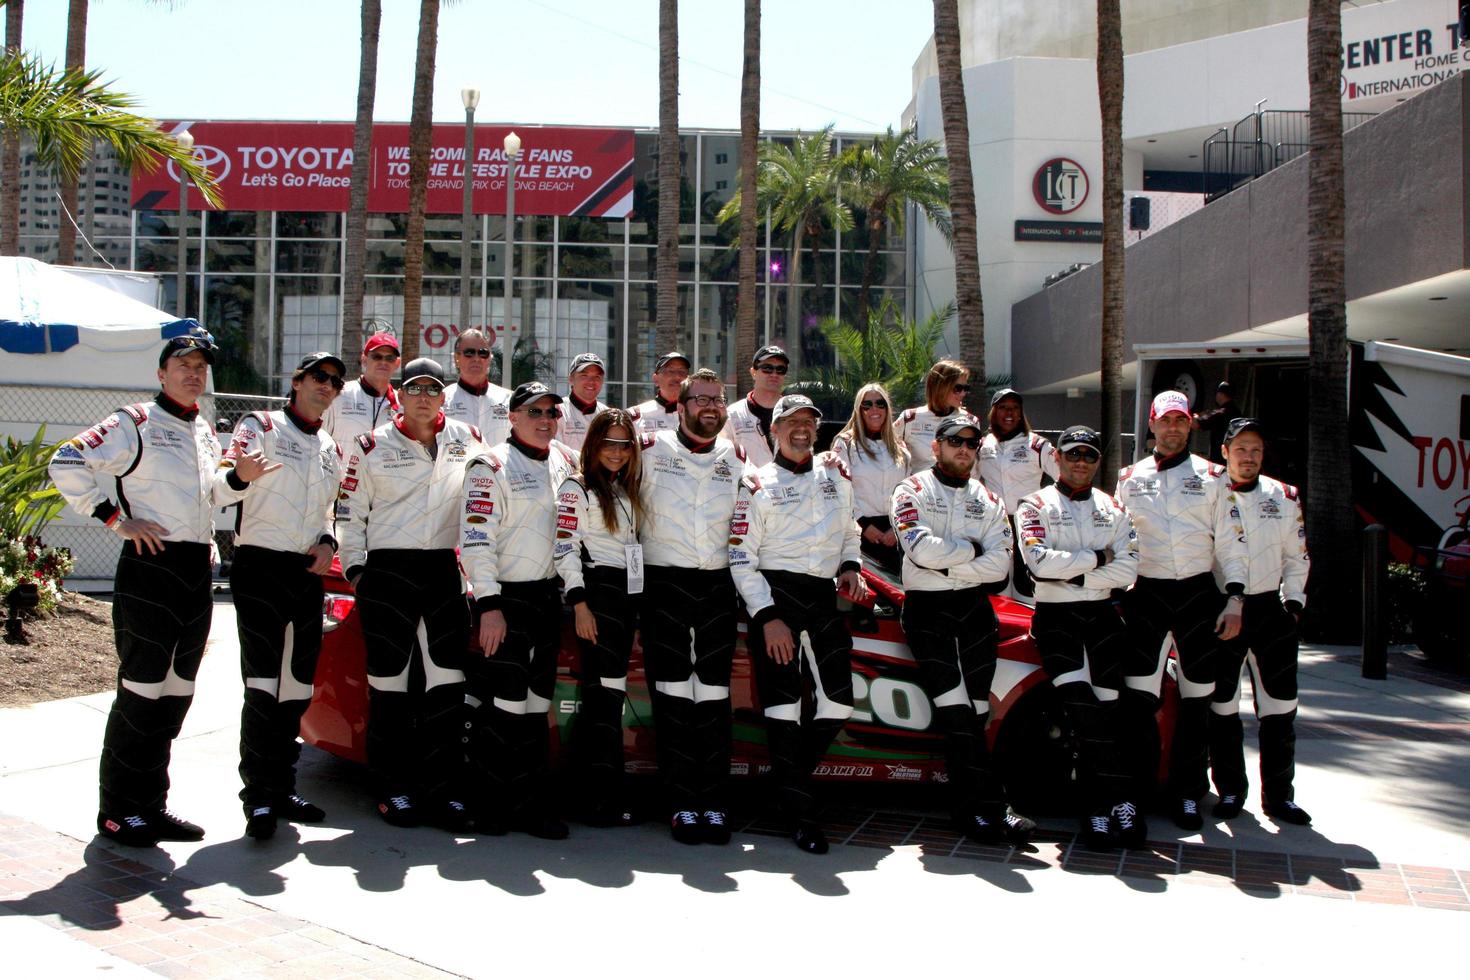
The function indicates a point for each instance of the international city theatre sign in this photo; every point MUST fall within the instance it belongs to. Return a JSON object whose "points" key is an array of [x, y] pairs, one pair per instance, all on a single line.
{"points": [[1399, 49]]}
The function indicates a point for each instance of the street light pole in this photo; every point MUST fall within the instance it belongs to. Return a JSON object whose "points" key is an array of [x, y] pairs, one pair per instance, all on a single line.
{"points": [[471, 98], [181, 300], [512, 151]]}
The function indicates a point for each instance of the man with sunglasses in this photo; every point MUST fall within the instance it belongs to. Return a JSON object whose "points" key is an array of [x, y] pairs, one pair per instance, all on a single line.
{"points": [[584, 384], [661, 412], [1185, 528], [956, 543], [691, 477], [749, 425], [1079, 545], [1270, 512], [369, 401], [507, 537], [284, 543], [398, 525], [474, 399]]}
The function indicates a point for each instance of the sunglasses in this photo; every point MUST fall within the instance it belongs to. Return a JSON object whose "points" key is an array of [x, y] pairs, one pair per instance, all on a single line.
{"points": [[618, 443], [542, 413], [320, 376], [705, 401], [972, 442], [1084, 455], [772, 369], [482, 352], [383, 358], [417, 389], [869, 405], [962, 388]]}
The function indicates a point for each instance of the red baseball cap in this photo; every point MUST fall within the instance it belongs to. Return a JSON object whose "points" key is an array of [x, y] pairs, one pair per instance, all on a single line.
{"points": [[380, 339]]}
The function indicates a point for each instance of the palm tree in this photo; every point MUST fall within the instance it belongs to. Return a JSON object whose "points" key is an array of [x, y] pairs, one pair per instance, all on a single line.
{"points": [[961, 186], [76, 59], [1330, 525], [362, 148], [667, 256], [420, 143], [888, 348], [10, 146], [750, 106], [884, 176], [1110, 98]]}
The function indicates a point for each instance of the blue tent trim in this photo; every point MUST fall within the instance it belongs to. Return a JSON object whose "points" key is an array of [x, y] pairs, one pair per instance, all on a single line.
{"points": [[21, 337]]}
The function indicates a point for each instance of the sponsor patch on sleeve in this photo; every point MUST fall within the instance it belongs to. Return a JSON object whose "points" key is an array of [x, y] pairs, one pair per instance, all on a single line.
{"points": [[479, 507], [567, 522]]}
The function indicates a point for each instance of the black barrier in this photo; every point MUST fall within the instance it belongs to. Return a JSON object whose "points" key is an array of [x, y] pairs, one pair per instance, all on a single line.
{"points": [[1375, 595]]}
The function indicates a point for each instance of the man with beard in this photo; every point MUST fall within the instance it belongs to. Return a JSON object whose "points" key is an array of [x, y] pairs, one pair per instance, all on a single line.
{"points": [[370, 401], [1178, 503], [584, 384], [474, 399], [792, 533], [690, 480], [750, 418], [1270, 512], [662, 410], [956, 542]]}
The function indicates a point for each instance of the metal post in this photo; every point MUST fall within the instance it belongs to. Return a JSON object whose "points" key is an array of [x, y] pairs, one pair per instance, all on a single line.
{"points": [[471, 98], [507, 345], [1375, 596], [181, 300]]}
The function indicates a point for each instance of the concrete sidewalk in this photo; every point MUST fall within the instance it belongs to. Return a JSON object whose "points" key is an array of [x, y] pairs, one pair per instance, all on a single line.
{"points": [[1383, 766]]}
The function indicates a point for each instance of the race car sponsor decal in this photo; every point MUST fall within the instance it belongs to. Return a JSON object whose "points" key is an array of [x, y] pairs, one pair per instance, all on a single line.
{"points": [[905, 773], [826, 769], [474, 535], [479, 507], [567, 522]]}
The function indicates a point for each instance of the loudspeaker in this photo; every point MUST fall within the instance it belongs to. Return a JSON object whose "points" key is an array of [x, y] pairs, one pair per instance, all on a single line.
{"points": [[1138, 213]]}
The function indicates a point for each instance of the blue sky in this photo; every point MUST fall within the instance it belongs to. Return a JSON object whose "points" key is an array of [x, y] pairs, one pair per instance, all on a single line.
{"points": [[536, 61]]}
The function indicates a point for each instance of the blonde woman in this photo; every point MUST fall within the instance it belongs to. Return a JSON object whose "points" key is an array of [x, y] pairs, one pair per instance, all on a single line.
{"points": [[945, 387], [877, 460]]}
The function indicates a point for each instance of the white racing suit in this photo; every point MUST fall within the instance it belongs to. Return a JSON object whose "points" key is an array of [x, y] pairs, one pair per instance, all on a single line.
{"points": [[655, 416], [576, 419], [487, 409], [915, 428], [875, 472], [357, 411], [745, 428], [1011, 468]]}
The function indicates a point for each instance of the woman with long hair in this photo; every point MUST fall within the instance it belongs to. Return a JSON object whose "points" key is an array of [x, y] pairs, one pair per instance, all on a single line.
{"points": [[600, 562], [945, 387], [876, 461]]}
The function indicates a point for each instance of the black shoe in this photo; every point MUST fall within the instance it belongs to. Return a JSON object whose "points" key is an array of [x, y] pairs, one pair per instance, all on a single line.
{"points": [[1287, 812], [1229, 807], [685, 827], [260, 823], [1097, 832], [981, 830], [134, 831], [1128, 823], [605, 814], [542, 825], [1186, 814], [399, 811], [716, 828], [810, 837], [171, 826], [1016, 828], [298, 810], [451, 815]]}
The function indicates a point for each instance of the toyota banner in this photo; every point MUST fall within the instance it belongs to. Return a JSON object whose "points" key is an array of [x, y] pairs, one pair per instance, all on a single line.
{"points": [[296, 166]]}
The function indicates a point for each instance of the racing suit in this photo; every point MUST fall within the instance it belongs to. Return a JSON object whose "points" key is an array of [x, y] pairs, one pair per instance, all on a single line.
{"points": [[1276, 552], [656, 415], [153, 461], [397, 526], [1064, 537], [487, 408], [689, 616], [592, 560], [791, 534], [749, 427], [1184, 527], [507, 530], [915, 428], [956, 543], [875, 472], [278, 601], [1011, 468], [576, 418], [358, 410]]}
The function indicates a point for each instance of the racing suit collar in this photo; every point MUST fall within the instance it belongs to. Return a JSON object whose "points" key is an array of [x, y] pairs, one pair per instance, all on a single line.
{"points": [[1169, 462], [1073, 493], [586, 408], [687, 441], [526, 449], [1246, 486], [370, 391], [787, 464], [672, 406], [476, 390], [438, 426], [947, 480], [1005, 436], [186, 412], [310, 428]]}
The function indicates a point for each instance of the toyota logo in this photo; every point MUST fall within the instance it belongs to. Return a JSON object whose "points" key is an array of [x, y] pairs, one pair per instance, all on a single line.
{"points": [[217, 161]]}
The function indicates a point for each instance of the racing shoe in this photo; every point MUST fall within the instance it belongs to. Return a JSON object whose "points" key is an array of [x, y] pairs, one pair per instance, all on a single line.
{"points": [[1016, 828], [716, 827], [134, 831], [685, 827], [1128, 823], [1097, 832], [1229, 807], [810, 837], [298, 809], [171, 826], [1287, 812], [260, 823], [1186, 814], [981, 830], [450, 815], [399, 811]]}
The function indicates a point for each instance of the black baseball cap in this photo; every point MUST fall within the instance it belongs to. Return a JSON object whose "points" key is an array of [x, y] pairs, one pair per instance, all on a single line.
{"points": [[321, 357], [1006, 393], [1225, 387], [672, 355], [767, 352], [1237, 426], [529, 392], [423, 367], [1079, 437], [957, 422], [184, 343]]}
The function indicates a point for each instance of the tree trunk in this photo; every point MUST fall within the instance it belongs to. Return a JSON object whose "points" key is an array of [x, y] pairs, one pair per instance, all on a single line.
{"points": [[10, 148], [1110, 98], [1336, 579], [877, 223], [362, 148], [793, 300], [76, 59], [667, 316], [420, 143], [961, 190], [746, 340]]}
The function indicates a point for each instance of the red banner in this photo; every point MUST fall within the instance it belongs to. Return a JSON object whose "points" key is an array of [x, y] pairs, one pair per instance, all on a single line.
{"points": [[289, 166]]}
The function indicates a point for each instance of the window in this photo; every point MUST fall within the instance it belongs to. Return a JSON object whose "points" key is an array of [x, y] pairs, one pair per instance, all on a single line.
{"points": [[722, 158], [721, 184]]}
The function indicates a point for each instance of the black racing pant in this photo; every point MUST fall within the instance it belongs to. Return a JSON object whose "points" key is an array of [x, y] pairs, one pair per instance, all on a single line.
{"points": [[807, 605], [885, 555], [510, 694], [1083, 647], [953, 636], [415, 625], [161, 609], [597, 730], [1267, 644], [1187, 610], [278, 611], [689, 630]]}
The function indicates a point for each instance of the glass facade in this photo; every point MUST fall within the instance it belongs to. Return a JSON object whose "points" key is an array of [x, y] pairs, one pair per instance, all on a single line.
{"points": [[269, 284]]}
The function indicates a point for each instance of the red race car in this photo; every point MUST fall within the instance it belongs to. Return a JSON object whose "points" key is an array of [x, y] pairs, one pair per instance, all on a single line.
{"points": [[887, 739]]}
